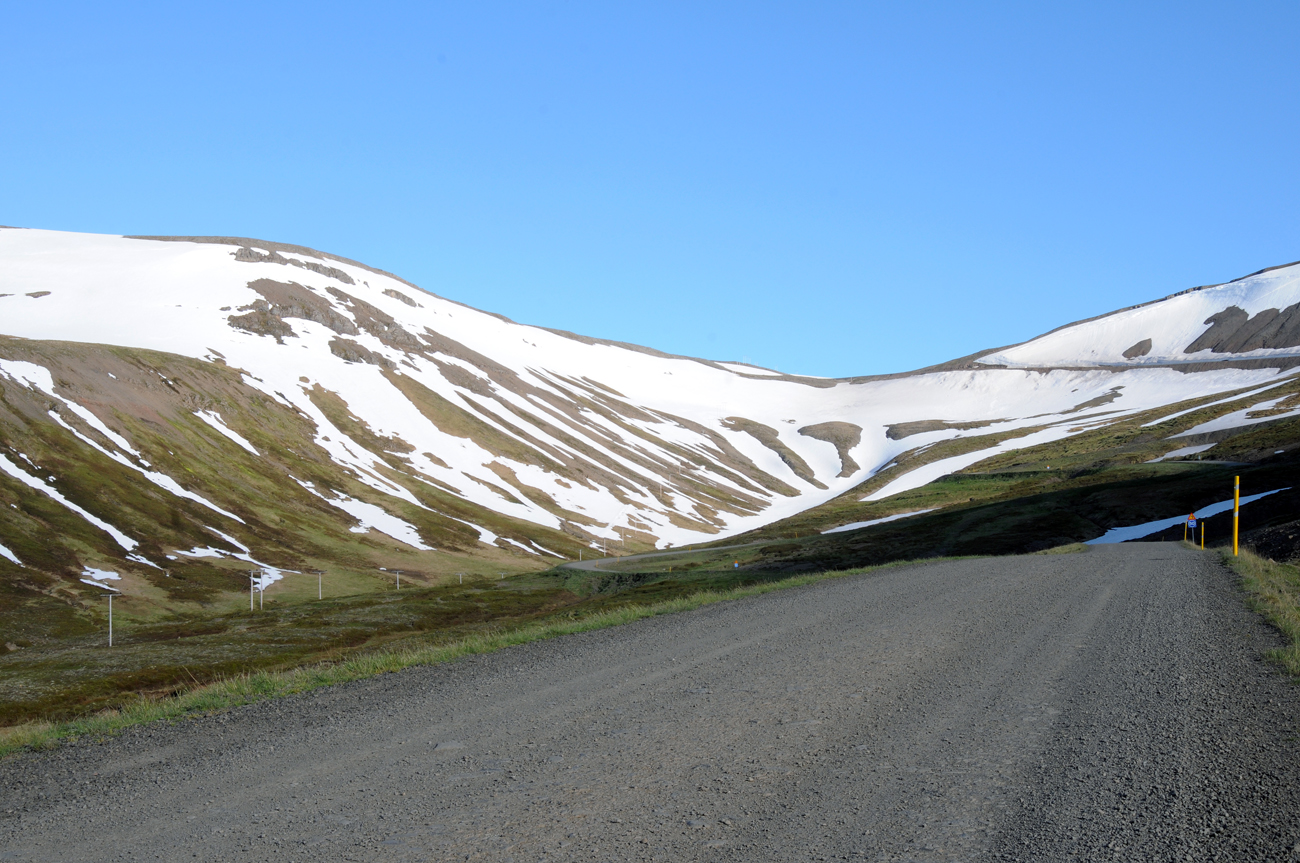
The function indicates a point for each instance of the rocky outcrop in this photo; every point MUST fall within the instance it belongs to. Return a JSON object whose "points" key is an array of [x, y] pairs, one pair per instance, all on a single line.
{"points": [[1141, 349], [252, 256], [398, 295], [1232, 331], [348, 350], [282, 300]]}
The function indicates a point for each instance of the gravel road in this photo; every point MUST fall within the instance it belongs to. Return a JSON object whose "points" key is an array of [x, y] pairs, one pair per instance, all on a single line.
{"points": [[1109, 705]]}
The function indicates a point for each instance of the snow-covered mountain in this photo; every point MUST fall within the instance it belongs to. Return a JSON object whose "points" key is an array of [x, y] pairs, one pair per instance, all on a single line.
{"points": [[418, 399]]}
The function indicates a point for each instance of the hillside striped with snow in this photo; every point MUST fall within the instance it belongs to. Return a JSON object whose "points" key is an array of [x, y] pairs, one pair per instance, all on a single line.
{"points": [[601, 440]]}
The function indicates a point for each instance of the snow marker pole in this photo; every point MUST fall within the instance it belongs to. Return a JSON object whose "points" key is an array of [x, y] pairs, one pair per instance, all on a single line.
{"points": [[1236, 510]]}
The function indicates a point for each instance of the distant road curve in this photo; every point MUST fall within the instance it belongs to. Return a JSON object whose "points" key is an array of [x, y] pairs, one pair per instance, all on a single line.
{"points": [[1108, 705]]}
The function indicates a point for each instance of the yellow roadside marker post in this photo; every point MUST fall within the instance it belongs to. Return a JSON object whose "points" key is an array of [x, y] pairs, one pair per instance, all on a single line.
{"points": [[1202, 534], [1236, 510]]}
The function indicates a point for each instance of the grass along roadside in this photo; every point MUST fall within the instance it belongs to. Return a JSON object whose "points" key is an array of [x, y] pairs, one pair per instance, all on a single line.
{"points": [[256, 686], [1274, 591]]}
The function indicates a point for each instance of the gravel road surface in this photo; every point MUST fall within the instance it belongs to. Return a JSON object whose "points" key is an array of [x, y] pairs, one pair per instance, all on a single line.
{"points": [[1110, 705]]}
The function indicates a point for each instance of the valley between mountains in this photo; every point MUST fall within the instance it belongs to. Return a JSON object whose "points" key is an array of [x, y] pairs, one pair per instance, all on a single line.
{"points": [[199, 423]]}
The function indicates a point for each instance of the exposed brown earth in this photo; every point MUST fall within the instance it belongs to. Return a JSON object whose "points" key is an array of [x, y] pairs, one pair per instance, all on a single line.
{"points": [[898, 431], [844, 436], [767, 436]]}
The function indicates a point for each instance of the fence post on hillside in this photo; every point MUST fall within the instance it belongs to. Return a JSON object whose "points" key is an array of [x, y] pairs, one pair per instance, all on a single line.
{"points": [[1236, 510], [110, 619]]}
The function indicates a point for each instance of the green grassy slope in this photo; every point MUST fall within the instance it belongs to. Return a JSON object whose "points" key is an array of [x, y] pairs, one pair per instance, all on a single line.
{"points": [[151, 399]]}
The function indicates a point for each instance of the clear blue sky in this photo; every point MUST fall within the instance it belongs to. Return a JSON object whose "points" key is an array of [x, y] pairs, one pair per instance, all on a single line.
{"points": [[829, 189]]}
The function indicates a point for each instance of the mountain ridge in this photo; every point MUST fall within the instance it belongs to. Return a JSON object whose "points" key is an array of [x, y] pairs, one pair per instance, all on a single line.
{"points": [[448, 437]]}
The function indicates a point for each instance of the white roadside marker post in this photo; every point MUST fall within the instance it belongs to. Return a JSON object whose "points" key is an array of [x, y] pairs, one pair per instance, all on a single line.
{"points": [[320, 594], [250, 590], [110, 620]]}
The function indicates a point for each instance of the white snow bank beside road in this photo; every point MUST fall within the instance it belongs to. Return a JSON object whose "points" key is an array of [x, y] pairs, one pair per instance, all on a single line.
{"points": [[1137, 531]]}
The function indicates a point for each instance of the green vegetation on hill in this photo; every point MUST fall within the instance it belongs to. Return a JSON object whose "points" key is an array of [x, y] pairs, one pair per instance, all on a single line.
{"points": [[185, 620]]}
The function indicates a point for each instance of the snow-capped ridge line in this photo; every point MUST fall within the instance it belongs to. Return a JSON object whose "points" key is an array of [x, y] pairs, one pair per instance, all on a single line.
{"points": [[564, 432]]}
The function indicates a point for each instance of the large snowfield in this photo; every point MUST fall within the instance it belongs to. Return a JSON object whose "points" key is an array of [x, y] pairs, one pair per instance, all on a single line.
{"points": [[179, 297]]}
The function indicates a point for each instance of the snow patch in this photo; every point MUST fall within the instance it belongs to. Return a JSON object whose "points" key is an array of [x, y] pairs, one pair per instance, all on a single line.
{"points": [[1137, 531], [370, 516], [1181, 451], [161, 480], [518, 544], [213, 419], [98, 576], [860, 524], [935, 469], [1238, 419], [40, 485]]}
